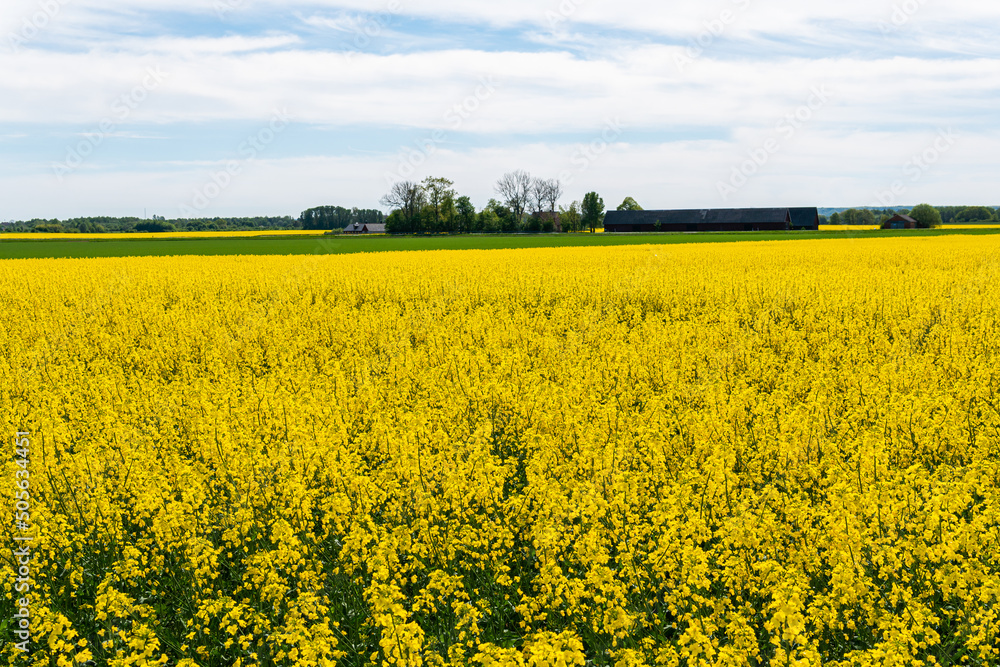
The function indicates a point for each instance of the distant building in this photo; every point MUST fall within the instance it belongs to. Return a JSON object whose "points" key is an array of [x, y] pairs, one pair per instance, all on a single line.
{"points": [[358, 228], [900, 221], [712, 220]]}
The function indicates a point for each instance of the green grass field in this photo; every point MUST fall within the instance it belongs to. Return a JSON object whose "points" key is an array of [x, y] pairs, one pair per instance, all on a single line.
{"points": [[334, 245]]}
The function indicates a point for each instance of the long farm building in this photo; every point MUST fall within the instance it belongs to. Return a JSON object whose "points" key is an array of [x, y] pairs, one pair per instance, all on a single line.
{"points": [[712, 220]]}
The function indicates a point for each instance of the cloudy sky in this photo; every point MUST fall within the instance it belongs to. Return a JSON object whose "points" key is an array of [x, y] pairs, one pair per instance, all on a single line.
{"points": [[257, 107]]}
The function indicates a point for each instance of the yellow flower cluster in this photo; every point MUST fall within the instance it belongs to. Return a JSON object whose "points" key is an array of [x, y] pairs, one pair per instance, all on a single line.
{"points": [[779, 453]]}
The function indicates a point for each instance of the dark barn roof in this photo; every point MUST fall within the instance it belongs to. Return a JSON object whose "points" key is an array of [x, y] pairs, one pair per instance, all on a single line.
{"points": [[720, 219], [358, 228]]}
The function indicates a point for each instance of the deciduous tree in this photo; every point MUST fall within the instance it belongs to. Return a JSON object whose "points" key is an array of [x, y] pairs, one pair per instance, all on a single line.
{"points": [[629, 205], [515, 188], [926, 216], [593, 211], [408, 198]]}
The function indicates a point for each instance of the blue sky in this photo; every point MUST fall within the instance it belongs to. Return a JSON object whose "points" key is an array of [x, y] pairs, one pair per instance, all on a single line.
{"points": [[246, 107]]}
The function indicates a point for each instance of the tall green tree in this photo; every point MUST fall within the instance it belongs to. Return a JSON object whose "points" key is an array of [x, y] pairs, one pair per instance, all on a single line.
{"points": [[489, 220], [570, 218], [465, 215], [441, 198], [592, 211], [926, 216]]}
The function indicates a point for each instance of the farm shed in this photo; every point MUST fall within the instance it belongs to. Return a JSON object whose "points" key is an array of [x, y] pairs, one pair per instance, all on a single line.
{"points": [[712, 220], [357, 228], [900, 221]]}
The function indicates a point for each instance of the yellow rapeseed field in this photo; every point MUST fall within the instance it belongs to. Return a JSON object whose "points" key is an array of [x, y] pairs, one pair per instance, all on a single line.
{"points": [[778, 453], [868, 228], [114, 236]]}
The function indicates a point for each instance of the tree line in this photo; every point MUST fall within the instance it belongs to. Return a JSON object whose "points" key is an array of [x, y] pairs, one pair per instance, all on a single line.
{"points": [[319, 218], [126, 225], [338, 217], [524, 204], [925, 215]]}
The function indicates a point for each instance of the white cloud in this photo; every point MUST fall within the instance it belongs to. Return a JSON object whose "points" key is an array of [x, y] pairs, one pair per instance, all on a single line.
{"points": [[535, 92], [893, 77], [817, 168]]}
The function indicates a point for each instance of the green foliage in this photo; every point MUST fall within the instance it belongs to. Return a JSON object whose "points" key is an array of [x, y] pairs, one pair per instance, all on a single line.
{"points": [[570, 218], [441, 202], [49, 228], [974, 214], [593, 211], [396, 223], [855, 216], [338, 217], [507, 219], [881, 216], [488, 221], [101, 224], [155, 226], [926, 216], [629, 205], [465, 215]]}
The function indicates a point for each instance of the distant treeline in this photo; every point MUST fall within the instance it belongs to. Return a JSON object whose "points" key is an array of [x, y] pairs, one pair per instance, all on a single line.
{"points": [[321, 218], [100, 224], [338, 217], [950, 215], [433, 207]]}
